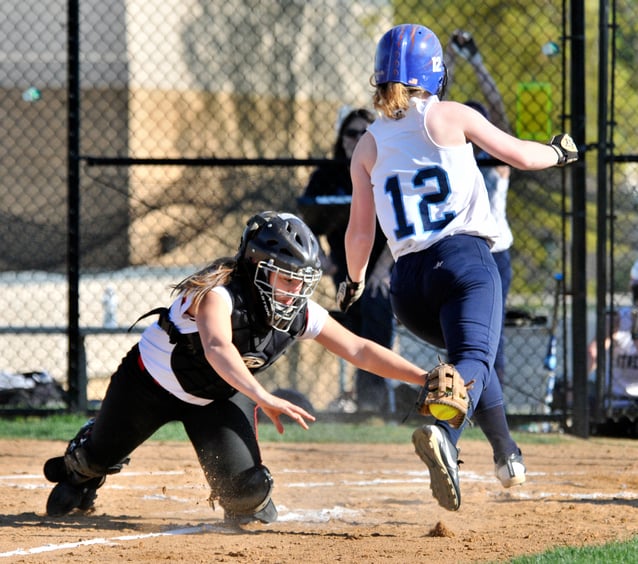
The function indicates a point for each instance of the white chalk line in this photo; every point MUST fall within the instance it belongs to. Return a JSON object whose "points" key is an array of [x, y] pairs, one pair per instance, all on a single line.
{"points": [[112, 541], [308, 516]]}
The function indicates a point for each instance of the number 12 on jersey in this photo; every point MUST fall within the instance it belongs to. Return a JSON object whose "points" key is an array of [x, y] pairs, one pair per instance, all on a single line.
{"points": [[393, 188]]}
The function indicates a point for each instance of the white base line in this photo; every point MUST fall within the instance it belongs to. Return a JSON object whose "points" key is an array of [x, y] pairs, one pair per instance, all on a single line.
{"points": [[113, 541]]}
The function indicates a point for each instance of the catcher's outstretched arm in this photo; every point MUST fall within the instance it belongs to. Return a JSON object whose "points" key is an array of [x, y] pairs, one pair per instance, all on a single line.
{"points": [[368, 355]]}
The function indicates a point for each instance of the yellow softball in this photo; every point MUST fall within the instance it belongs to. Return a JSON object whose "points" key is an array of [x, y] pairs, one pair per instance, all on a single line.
{"points": [[443, 412]]}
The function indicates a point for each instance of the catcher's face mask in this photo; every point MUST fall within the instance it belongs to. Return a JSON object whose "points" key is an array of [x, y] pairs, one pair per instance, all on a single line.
{"points": [[284, 292], [284, 254]]}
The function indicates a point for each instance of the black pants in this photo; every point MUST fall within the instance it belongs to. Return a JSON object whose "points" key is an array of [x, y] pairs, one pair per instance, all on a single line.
{"points": [[223, 433]]}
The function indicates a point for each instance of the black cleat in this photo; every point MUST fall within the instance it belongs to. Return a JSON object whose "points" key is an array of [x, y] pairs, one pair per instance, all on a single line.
{"points": [[65, 497], [266, 515], [441, 458]]}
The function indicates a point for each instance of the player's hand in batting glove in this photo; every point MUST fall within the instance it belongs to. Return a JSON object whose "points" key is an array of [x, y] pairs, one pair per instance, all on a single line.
{"points": [[463, 43], [348, 293], [565, 148]]}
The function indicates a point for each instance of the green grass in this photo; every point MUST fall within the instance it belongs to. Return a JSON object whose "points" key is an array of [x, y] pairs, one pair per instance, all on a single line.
{"points": [[374, 430], [616, 552]]}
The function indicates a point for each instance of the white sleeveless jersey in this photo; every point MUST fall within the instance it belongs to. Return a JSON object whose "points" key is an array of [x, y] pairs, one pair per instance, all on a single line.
{"points": [[424, 192], [497, 188]]}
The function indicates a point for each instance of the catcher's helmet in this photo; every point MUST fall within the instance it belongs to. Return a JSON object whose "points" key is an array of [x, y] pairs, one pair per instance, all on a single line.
{"points": [[411, 55], [280, 245]]}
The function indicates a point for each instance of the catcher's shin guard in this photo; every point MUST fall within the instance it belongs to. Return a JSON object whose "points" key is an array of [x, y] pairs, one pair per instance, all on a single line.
{"points": [[77, 465], [78, 482], [441, 458]]}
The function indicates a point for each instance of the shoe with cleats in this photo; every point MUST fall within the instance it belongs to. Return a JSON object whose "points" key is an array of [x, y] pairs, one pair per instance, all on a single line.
{"points": [[66, 497], [441, 457], [266, 515], [510, 470]]}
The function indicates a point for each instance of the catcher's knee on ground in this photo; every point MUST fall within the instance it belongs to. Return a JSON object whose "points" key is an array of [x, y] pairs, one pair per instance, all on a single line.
{"points": [[247, 496]]}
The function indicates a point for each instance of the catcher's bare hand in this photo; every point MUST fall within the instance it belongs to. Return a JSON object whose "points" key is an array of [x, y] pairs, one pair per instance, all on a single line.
{"points": [[445, 387], [277, 407]]}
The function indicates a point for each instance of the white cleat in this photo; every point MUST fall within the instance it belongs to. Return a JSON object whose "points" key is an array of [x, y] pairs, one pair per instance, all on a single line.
{"points": [[510, 470], [441, 458]]}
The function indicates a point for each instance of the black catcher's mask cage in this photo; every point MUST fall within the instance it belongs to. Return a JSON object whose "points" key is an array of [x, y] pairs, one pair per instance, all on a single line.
{"points": [[278, 247]]}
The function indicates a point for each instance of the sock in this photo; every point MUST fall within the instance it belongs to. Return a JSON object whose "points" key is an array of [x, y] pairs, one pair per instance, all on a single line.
{"points": [[493, 423]]}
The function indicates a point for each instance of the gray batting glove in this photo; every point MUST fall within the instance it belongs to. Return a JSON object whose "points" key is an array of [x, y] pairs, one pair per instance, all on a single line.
{"points": [[379, 284]]}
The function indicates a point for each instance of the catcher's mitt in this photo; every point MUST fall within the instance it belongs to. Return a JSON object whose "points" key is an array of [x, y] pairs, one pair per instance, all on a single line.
{"points": [[445, 393]]}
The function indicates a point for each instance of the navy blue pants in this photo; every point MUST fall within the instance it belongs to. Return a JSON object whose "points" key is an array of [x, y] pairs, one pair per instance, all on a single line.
{"points": [[450, 296]]}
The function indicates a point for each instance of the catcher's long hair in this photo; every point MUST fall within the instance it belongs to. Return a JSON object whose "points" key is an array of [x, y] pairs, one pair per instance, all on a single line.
{"points": [[198, 284]]}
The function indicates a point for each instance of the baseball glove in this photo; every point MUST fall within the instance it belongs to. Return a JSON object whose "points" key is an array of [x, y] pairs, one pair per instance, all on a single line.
{"points": [[445, 388]]}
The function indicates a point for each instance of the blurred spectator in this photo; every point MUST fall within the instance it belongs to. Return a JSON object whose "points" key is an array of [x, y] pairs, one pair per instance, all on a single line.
{"points": [[633, 282], [621, 344], [496, 178], [621, 372]]}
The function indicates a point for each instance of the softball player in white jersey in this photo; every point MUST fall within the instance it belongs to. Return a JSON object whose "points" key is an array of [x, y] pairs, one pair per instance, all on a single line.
{"points": [[414, 169]]}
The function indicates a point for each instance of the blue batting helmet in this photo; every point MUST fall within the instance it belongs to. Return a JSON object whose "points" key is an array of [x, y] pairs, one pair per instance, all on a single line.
{"points": [[410, 54]]}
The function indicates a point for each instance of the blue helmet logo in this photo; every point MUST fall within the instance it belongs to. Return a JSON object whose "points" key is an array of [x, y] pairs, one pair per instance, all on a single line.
{"points": [[411, 55]]}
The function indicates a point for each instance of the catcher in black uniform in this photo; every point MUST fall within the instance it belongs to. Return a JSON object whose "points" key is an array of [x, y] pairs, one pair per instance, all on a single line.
{"points": [[197, 364]]}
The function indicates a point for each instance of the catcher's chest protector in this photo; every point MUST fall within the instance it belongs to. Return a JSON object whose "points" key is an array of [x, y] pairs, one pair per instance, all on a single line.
{"points": [[258, 344]]}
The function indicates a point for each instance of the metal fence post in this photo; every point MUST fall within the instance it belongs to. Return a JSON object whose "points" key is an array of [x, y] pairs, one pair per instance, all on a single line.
{"points": [[77, 389]]}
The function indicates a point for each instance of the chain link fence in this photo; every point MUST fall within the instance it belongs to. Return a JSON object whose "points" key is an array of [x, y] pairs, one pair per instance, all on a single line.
{"points": [[196, 114]]}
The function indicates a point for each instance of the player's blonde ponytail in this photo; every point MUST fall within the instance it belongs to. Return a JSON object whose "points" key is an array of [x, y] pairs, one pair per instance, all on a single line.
{"points": [[392, 99]]}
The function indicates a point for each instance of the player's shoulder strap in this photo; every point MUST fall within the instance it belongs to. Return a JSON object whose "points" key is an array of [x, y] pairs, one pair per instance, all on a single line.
{"points": [[164, 321]]}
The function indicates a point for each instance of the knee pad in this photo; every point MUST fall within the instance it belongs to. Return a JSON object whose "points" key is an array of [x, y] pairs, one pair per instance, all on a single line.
{"points": [[248, 492]]}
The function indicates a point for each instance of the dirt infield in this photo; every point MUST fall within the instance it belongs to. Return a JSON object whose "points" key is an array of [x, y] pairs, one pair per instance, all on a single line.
{"points": [[337, 503]]}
